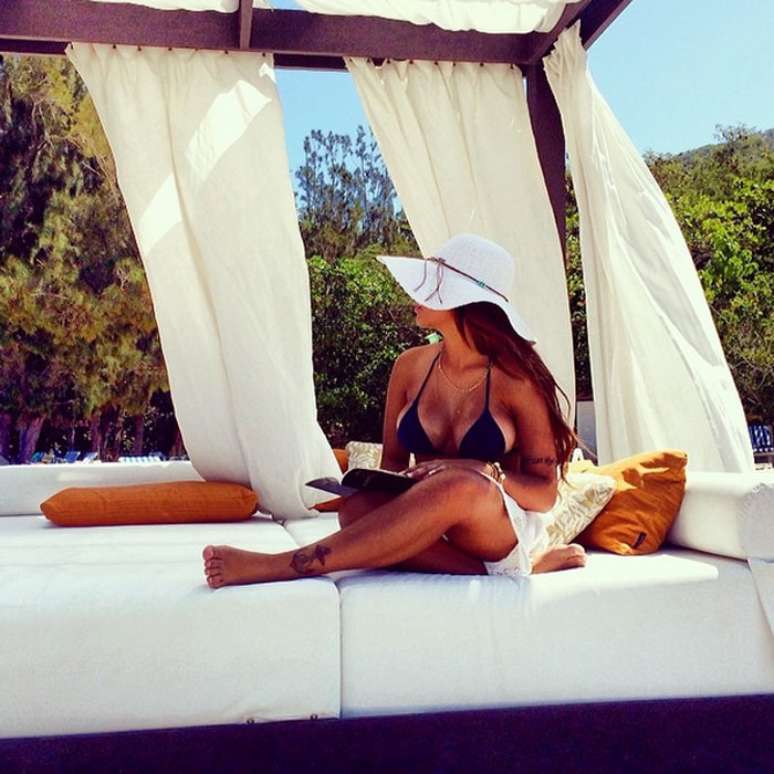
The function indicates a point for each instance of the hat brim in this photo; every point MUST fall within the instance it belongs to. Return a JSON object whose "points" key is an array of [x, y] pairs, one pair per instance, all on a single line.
{"points": [[418, 280]]}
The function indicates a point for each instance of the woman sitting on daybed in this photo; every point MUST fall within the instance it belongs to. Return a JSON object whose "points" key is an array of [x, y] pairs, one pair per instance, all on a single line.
{"points": [[480, 412]]}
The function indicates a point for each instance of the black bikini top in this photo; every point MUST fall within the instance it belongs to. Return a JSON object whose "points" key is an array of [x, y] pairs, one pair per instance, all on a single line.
{"points": [[483, 441]]}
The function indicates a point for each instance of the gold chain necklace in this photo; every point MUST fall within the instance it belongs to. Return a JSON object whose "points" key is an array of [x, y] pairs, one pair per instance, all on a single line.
{"points": [[460, 389]]}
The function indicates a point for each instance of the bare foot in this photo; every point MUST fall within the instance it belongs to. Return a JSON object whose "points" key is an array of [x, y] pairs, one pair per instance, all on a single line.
{"points": [[227, 566], [560, 558]]}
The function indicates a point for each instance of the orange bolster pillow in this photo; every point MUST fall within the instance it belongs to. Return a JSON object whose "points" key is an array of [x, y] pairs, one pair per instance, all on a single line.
{"points": [[177, 502], [649, 491]]}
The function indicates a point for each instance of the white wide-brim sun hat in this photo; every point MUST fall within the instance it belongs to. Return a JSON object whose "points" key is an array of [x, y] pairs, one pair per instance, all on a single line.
{"points": [[465, 269]]}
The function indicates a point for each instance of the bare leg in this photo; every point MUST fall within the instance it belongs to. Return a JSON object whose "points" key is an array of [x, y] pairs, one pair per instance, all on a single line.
{"points": [[440, 557], [561, 557], [388, 535], [445, 557]]}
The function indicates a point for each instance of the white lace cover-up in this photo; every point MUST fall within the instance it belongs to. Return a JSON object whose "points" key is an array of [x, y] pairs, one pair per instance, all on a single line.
{"points": [[531, 532]]}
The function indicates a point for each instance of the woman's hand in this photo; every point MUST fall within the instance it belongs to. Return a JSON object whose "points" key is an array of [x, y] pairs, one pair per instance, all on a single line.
{"points": [[430, 467]]}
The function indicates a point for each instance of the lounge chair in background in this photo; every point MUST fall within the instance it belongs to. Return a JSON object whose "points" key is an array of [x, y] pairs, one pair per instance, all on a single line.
{"points": [[152, 457], [762, 439]]}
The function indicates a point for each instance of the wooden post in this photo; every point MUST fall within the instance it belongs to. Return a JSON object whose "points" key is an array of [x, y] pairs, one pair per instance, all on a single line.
{"points": [[549, 138], [245, 23]]}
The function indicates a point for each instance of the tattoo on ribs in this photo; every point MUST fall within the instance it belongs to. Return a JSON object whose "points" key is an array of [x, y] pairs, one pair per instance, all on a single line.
{"points": [[540, 461], [302, 560]]}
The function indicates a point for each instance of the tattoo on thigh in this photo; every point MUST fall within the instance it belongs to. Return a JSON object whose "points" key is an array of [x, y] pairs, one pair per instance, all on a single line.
{"points": [[302, 560], [539, 461]]}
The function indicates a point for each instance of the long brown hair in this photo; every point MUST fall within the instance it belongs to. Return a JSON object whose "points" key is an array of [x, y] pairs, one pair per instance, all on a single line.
{"points": [[486, 327]]}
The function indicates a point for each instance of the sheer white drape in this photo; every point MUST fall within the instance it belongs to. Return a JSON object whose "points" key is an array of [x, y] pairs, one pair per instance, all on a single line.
{"points": [[458, 144], [659, 374], [199, 147], [224, 6], [481, 15]]}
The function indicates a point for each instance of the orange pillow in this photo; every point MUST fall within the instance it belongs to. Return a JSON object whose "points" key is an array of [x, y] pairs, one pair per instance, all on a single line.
{"points": [[329, 506], [649, 491], [178, 502], [342, 457]]}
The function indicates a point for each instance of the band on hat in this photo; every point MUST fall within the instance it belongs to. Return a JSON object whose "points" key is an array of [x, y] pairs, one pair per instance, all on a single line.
{"points": [[441, 263]]}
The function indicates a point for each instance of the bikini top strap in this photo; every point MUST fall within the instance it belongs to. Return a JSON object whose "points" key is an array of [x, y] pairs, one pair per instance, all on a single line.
{"points": [[488, 377], [427, 377]]}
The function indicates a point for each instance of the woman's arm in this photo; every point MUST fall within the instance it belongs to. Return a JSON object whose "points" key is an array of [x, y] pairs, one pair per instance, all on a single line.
{"points": [[531, 471], [394, 456]]}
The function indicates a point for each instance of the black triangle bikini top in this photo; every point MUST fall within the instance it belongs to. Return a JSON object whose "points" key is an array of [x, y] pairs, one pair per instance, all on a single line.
{"points": [[483, 441]]}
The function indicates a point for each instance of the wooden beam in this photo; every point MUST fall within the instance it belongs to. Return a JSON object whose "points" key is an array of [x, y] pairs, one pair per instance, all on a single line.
{"points": [[87, 22], [245, 23], [32, 47], [363, 36], [549, 138], [299, 39], [279, 31], [598, 17], [282, 61], [306, 62], [570, 15]]}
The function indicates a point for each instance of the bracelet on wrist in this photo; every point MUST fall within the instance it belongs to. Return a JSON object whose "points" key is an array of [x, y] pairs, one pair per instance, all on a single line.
{"points": [[498, 474]]}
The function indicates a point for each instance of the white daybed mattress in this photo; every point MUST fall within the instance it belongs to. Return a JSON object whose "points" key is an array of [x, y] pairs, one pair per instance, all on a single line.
{"points": [[306, 531], [676, 623], [114, 628]]}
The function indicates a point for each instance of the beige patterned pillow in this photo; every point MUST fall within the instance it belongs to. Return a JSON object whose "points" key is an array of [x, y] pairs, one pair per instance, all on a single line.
{"points": [[363, 454], [581, 497]]}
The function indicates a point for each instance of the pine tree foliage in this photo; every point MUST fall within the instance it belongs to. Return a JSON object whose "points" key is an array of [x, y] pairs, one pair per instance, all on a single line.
{"points": [[77, 330]]}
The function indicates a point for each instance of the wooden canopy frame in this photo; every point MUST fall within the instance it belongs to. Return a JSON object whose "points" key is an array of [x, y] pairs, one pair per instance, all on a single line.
{"points": [[303, 40]]}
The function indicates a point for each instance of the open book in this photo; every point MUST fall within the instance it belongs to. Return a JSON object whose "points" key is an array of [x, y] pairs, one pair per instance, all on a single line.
{"points": [[365, 478]]}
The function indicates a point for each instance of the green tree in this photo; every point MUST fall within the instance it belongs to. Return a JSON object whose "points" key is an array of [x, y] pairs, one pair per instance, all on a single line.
{"points": [[723, 199], [345, 199], [78, 333], [361, 322]]}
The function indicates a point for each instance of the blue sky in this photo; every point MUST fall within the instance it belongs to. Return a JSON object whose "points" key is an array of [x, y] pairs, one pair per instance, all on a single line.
{"points": [[670, 70]]}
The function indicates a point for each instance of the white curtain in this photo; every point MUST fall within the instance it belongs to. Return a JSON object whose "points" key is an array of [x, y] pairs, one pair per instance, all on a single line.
{"points": [[481, 15], [458, 144], [224, 6], [659, 375], [200, 151]]}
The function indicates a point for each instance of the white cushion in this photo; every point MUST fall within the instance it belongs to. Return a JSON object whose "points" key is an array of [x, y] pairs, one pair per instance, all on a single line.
{"points": [[308, 531], [580, 497], [24, 487], [363, 454], [675, 623], [731, 514], [115, 628], [366, 454]]}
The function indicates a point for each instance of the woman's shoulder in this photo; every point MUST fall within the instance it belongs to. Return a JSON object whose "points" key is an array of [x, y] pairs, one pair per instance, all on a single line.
{"points": [[415, 356], [413, 361], [423, 350]]}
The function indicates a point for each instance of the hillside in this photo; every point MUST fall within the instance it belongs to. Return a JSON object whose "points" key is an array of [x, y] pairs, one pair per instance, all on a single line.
{"points": [[754, 142]]}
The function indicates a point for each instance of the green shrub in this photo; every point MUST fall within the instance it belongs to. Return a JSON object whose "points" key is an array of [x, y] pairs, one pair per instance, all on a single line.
{"points": [[361, 322]]}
